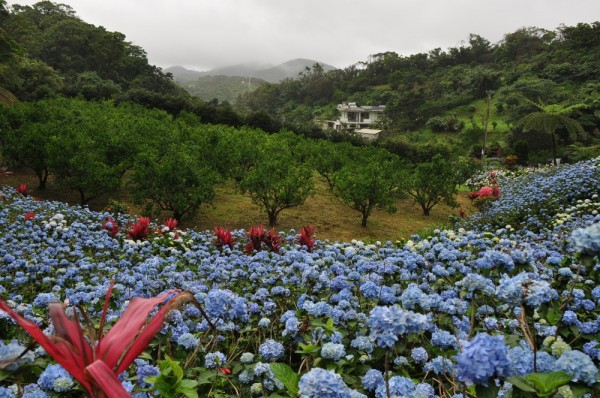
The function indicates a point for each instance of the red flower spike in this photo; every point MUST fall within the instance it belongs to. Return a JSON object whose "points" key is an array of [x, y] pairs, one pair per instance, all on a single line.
{"points": [[22, 189], [29, 216], [96, 368]]}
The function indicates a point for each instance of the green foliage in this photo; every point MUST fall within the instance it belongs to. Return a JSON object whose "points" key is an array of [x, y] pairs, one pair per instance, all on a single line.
{"points": [[521, 150], [370, 182], [170, 382], [445, 123], [174, 178], [548, 118], [539, 384], [328, 158], [436, 181], [277, 180], [223, 88], [287, 376]]}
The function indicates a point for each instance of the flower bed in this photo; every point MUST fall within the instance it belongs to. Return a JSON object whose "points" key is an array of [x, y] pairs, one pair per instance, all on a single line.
{"points": [[475, 310]]}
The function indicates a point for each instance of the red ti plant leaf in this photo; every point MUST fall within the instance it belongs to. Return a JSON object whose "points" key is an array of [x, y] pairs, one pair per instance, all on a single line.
{"points": [[256, 238], [29, 216], [223, 238], [22, 189], [306, 237], [102, 376], [273, 240], [170, 223], [96, 366], [140, 229]]}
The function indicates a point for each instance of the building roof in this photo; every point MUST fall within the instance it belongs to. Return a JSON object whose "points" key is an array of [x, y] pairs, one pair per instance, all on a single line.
{"points": [[352, 106]]}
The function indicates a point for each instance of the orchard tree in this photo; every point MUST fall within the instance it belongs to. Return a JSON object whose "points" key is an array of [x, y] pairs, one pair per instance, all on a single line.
{"points": [[368, 184], [436, 181], [89, 148], [174, 179], [328, 158], [277, 181], [24, 136]]}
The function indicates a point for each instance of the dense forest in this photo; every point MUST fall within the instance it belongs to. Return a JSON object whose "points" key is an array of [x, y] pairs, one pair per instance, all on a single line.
{"points": [[47, 51]]}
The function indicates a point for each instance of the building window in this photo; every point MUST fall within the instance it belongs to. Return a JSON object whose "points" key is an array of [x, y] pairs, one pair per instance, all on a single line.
{"points": [[351, 116]]}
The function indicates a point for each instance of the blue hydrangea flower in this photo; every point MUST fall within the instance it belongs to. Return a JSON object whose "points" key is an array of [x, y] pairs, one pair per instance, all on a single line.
{"points": [[321, 383], [399, 387], [579, 365], [11, 351], [246, 376], [214, 359], [144, 370], [55, 378], [587, 240], [372, 379], [271, 350], [419, 355], [387, 323], [333, 351], [362, 343], [247, 357], [188, 341], [482, 358]]}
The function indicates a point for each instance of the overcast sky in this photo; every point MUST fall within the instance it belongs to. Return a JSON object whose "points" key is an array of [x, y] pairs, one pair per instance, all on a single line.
{"points": [[202, 34]]}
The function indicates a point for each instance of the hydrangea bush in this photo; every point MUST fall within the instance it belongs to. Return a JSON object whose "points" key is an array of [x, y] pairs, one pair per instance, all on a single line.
{"points": [[507, 301]]}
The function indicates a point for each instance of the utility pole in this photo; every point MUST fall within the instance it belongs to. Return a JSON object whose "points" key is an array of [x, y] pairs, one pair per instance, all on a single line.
{"points": [[485, 127]]}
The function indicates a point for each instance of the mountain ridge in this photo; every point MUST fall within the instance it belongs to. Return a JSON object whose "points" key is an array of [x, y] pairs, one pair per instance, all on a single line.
{"points": [[267, 72]]}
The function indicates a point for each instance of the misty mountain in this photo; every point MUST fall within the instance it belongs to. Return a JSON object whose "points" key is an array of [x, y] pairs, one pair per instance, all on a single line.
{"points": [[269, 73], [289, 69]]}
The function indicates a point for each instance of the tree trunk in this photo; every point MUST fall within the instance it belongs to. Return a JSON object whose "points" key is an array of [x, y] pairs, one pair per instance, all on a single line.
{"points": [[426, 211], [554, 149], [365, 216], [42, 178], [272, 218], [82, 199]]}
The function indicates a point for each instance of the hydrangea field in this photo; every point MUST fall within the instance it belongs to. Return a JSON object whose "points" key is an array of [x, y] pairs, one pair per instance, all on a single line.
{"points": [[505, 304]]}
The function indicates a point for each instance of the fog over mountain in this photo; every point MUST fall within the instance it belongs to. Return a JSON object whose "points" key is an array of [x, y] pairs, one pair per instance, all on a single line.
{"points": [[269, 73]]}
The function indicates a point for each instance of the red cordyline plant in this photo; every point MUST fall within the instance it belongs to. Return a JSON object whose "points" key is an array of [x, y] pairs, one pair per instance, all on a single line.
{"points": [[170, 223], [259, 236], [256, 239], [29, 216], [272, 240], [111, 226], [22, 189], [140, 229], [306, 237], [223, 238], [95, 359]]}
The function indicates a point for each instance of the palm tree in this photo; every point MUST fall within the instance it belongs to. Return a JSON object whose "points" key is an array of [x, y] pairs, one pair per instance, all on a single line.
{"points": [[548, 118]]}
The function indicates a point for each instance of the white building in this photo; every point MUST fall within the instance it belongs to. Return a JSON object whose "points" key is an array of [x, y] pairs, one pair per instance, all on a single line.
{"points": [[356, 117]]}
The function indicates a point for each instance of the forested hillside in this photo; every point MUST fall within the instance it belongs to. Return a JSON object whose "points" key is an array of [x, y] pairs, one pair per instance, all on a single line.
{"points": [[446, 90]]}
